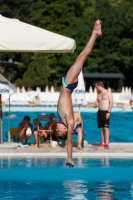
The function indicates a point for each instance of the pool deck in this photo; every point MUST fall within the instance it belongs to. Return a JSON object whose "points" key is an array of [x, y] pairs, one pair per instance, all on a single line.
{"points": [[54, 109], [91, 150]]}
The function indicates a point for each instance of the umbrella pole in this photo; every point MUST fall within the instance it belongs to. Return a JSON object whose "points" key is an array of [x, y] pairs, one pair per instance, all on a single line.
{"points": [[9, 121], [9, 118], [79, 109], [0, 107], [1, 129]]}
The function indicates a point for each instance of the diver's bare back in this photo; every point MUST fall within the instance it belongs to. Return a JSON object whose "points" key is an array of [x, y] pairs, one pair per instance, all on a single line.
{"points": [[65, 104]]}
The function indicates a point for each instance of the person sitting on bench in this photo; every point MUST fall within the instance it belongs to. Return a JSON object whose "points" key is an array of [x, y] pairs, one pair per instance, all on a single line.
{"points": [[61, 130], [78, 129], [22, 131], [44, 135]]}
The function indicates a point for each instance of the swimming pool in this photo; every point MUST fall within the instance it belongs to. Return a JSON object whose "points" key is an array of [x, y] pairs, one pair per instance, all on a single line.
{"points": [[49, 179], [121, 125]]}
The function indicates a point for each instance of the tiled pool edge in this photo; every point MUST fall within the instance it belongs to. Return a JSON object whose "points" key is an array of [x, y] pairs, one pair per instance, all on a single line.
{"points": [[64, 154]]}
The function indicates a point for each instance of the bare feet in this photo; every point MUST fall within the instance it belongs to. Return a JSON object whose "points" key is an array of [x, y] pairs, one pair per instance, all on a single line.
{"points": [[97, 27], [34, 145], [79, 148], [70, 163]]}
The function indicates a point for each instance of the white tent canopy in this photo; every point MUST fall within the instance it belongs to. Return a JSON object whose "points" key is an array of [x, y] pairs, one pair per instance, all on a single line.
{"points": [[17, 36]]}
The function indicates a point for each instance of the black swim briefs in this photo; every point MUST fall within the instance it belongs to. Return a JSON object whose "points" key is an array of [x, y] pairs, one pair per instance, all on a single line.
{"points": [[101, 119], [71, 86]]}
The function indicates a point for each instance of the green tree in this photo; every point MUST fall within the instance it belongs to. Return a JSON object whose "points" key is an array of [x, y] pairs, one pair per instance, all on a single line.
{"points": [[74, 18], [38, 72]]}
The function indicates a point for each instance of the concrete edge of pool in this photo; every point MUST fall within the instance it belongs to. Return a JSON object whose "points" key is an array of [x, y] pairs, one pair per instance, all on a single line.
{"points": [[89, 155], [91, 150], [54, 109]]}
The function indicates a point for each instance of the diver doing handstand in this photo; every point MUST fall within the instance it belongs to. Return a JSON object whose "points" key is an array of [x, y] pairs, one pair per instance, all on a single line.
{"points": [[69, 83]]}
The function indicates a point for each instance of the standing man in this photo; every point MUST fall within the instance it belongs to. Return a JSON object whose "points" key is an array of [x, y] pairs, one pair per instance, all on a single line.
{"points": [[131, 103], [104, 103]]}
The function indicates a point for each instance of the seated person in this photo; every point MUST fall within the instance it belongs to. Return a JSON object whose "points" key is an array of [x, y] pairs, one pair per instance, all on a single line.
{"points": [[50, 125], [78, 129], [61, 130], [42, 134], [22, 130]]}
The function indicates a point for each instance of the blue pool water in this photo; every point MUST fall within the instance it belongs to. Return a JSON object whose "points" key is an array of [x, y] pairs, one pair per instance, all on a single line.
{"points": [[50, 179], [121, 125]]}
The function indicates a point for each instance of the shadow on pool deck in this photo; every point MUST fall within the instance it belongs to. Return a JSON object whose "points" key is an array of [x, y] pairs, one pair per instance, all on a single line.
{"points": [[116, 149]]}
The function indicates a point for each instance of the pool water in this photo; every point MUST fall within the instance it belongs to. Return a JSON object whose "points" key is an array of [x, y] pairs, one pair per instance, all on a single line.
{"points": [[121, 125], [49, 179]]}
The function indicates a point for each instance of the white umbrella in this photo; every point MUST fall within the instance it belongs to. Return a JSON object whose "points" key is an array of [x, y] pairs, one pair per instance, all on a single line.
{"points": [[5, 88], [52, 94], [46, 89], [23, 95], [91, 96], [17, 36], [109, 89], [37, 97], [47, 94], [91, 90], [23, 90], [95, 91], [38, 91], [123, 91], [17, 90], [78, 95], [52, 90], [130, 91]]}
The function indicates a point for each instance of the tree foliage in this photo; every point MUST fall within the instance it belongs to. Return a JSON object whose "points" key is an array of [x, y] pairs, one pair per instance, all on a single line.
{"points": [[74, 18]]}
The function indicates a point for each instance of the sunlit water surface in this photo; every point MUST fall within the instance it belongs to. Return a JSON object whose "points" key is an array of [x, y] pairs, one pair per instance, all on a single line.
{"points": [[50, 179]]}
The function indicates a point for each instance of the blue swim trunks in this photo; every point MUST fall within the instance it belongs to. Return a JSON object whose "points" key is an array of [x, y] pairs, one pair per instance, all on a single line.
{"points": [[76, 127], [71, 86]]}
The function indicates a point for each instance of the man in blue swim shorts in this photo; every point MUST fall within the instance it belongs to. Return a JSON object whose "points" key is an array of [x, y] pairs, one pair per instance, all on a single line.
{"points": [[69, 83]]}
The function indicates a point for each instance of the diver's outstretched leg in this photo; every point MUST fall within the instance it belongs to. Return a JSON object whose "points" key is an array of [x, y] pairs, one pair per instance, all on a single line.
{"points": [[75, 69]]}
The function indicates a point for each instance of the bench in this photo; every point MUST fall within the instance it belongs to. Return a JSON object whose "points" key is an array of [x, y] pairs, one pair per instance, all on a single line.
{"points": [[13, 134]]}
